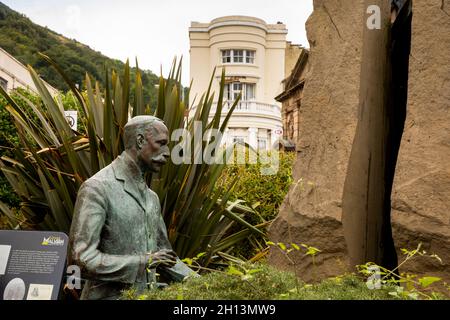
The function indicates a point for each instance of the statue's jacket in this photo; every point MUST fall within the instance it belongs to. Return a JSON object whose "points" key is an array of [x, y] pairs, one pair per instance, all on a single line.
{"points": [[117, 220]]}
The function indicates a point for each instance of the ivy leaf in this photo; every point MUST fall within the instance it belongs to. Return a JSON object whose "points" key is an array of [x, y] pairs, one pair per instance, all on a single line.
{"points": [[426, 281], [188, 261], [252, 271], [404, 251], [233, 271], [201, 254], [312, 251]]}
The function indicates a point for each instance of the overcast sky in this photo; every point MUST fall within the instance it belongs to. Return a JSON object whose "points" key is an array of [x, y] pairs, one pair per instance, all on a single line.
{"points": [[154, 31]]}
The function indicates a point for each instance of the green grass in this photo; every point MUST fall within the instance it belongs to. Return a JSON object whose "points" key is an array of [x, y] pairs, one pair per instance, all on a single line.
{"points": [[265, 284]]}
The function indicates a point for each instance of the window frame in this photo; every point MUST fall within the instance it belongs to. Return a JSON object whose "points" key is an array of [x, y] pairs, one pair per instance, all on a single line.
{"points": [[231, 93], [226, 55], [238, 55], [253, 96], [248, 57], [234, 56]]}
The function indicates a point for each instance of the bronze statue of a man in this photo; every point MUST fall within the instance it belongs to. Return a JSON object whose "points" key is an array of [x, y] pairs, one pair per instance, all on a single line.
{"points": [[117, 230]]}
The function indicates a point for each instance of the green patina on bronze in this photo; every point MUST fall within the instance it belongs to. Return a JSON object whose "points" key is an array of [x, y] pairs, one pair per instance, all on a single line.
{"points": [[118, 232]]}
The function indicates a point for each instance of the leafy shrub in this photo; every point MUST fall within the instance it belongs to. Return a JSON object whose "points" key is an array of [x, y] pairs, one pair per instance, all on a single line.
{"points": [[244, 280], [261, 282], [264, 193], [405, 284], [9, 139]]}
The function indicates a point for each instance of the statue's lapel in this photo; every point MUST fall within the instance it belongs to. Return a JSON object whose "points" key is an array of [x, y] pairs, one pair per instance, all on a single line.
{"points": [[123, 170], [131, 188]]}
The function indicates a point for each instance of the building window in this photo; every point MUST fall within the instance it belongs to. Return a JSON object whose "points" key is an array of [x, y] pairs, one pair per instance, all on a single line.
{"points": [[238, 56], [249, 91], [233, 89], [262, 144], [250, 56], [3, 83], [226, 56], [236, 89]]}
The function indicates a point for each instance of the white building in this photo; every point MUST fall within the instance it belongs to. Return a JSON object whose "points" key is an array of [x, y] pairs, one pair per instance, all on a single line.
{"points": [[253, 55], [14, 74]]}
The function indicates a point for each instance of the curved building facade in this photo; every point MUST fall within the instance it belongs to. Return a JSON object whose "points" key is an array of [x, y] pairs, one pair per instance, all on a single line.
{"points": [[253, 55]]}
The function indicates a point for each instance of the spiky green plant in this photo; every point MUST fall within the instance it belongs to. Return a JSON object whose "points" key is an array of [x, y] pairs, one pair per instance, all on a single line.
{"points": [[54, 160]]}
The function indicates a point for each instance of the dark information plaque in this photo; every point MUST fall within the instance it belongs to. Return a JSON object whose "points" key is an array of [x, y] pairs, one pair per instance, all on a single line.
{"points": [[32, 264]]}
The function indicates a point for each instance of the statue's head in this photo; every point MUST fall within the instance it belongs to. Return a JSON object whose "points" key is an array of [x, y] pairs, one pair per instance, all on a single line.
{"points": [[147, 138]]}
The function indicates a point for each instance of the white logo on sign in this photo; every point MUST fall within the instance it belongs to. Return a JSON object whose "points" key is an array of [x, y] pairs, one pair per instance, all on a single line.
{"points": [[52, 241]]}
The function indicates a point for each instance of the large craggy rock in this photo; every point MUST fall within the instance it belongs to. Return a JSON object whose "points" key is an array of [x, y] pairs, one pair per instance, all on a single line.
{"points": [[311, 212]]}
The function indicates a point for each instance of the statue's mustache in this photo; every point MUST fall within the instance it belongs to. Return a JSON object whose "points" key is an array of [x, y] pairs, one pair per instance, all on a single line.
{"points": [[159, 158]]}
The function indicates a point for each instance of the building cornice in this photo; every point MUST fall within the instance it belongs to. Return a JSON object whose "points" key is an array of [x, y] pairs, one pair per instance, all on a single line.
{"points": [[286, 94], [239, 115], [238, 75], [242, 21]]}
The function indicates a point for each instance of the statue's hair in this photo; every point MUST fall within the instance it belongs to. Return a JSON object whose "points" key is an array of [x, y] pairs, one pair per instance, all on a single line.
{"points": [[135, 126]]}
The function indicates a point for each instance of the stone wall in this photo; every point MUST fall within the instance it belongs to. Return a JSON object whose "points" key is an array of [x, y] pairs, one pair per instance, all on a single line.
{"points": [[292, 53], [311, 212], [421, 197]]}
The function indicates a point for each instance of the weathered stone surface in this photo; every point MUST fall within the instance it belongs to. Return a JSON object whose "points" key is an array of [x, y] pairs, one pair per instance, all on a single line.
{"points": [[311, 212], [421, 197]]}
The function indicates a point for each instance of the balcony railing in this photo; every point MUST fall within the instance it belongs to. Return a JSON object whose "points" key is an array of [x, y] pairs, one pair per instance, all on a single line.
{"points": [[250, 107]]}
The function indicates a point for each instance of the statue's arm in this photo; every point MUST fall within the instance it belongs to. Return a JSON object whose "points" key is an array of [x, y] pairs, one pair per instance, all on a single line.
{"points": [[87, 224], [180, 270]]}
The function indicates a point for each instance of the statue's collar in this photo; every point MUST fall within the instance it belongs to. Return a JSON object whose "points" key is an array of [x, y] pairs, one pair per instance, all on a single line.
{"points": [[126, 169], [130, 169]]}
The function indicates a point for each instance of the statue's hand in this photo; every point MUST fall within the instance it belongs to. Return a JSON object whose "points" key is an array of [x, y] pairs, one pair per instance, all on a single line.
{"points": [[165, 257]]}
